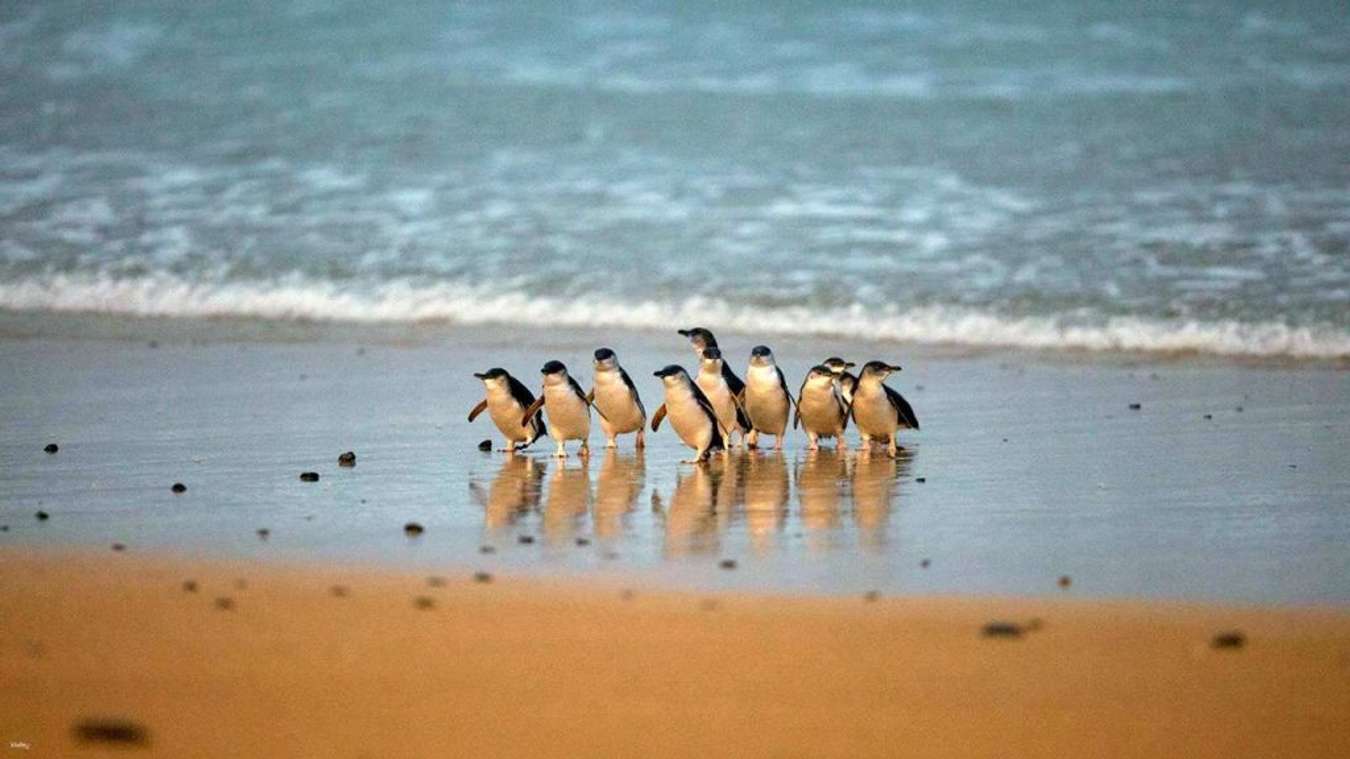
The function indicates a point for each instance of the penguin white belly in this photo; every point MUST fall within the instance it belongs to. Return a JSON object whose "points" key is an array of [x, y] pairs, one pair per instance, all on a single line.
{"points": [[873, 413], [765, 401], [615, 401], [508, 415], [568, 416], [820, 412], [690, 421], [719, 395]]}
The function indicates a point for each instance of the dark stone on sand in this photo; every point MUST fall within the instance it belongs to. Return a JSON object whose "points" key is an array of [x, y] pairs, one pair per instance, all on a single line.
{"points": [[338, 591], [4, 528], [1002, 630], [263, 533], [609, 555], [42, 516], [113, 732], [347, 459], [1238, 409], [309, 476], [525, 539], [436, 582], [241, 584], [925, 563], [179, 487], [485, 446], [482, 577], [487, 549], [627, 594], [225, 603], [413, 529], [1034, 624], [1065, 581], [1229, 639], [708, 604], [871, 595], [1209, 416], [583, 541], [52, 448], [727, 563], [190, 586], [1136, 406], [921, 479], [119, 546], [424, 602]]}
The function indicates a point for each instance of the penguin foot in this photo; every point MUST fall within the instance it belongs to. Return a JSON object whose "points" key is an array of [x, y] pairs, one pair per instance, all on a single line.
{"points": [[612, 443]]}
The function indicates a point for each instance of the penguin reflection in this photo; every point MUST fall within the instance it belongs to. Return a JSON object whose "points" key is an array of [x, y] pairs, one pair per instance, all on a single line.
{"points": [[513, 492], [621, 479], [568, 500], [821, 478], [765, 488], [874, 492], [691, 516]]}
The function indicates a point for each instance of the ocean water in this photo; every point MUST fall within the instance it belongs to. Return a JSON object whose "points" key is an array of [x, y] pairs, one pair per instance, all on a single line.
{"points": [[1080, 175]]}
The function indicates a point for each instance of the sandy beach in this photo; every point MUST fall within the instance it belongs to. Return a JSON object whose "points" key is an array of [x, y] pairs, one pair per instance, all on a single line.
{"points": [[358, 663]]}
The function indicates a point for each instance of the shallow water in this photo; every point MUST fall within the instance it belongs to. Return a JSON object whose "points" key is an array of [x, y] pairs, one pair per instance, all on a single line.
{"points": [[1033, 469]]}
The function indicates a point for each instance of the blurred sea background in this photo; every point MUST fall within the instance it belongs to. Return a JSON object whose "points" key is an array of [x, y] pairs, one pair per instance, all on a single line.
{"points": [[1161, 176]]}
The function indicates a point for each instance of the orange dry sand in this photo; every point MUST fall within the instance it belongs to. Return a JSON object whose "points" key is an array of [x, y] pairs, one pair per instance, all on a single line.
{"points": [[527, 668]]}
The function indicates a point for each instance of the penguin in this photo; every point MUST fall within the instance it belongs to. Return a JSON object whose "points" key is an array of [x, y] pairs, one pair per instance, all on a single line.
{"points": [[701, 339], [616, 398], [821, 408], [691, 414], [878, 410], [569, 411], [713, 383], [767, 400], [847, 382], [507, 401]]}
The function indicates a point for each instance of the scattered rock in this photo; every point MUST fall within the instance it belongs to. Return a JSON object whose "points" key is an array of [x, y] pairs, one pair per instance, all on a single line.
{"points": [[485, 446], [708, 604], [482, 577], [413, 529], [525, 539], [263, 533], [338, 591], [1136, 406], [424, 602], [610, 555], [583, 541], [117, 732], [119, 546], [152, 344], [4, 528], [224, 603], [179, 487], [627, 594], [1034, 624], [1065, 581], [42, 516], [347, 459], [1229, 639], [925, 563], [1238, 409], [1209, 416], [727, 563], [871, 595], [436, 582], [921, 479], [309, 476], [52, 448], [1002, 630], [190, 586], [240, 583], [487, 549]]}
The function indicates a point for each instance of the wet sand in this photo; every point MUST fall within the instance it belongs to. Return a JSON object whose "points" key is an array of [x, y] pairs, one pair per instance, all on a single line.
{"points": [[393, 664]]}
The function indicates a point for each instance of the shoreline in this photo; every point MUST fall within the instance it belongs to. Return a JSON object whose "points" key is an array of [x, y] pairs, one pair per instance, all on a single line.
{"points": [[397, 664]]}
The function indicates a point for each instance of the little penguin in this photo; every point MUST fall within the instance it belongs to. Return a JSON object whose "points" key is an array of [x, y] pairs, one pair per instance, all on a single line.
{"points": [[690, 412], [616, 398], [878, 410], [569, 412], [767, 400], [506, 402], [728, 407], [821, 408], [701, 339], [847, 382]]}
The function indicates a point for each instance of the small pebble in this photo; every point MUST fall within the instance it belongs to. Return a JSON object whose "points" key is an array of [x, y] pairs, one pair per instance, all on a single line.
{"points": [[1230, 639], [309, 476], [627, 594], [525, 539], [4, 528], [485, 446], [264, 533], [224, 603], [424, 602], [347, 459], [482, 577], [241, 584], [1238, 409], [871, 595], [1136, 406], [1209, 416], [52, 448], [119, 546], [487, 549], [1065, 581], [708, 604], [413, 529], [179, 487], [119, 732], [1001, 630], [42, 516], [727, 563], [925, 563], [436, 582], [1034, 624], [583, 541], [338, 591], [610, 555], [190, 586], [921, 479]]}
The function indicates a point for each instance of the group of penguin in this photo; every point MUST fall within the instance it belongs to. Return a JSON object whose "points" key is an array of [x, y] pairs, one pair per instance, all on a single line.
{"points": [[706, 410]]}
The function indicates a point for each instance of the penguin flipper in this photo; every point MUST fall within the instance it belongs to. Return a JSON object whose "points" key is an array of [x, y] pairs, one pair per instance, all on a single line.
{"points": [[903, 410], [478, 409], [658, 416], [530, 412]]}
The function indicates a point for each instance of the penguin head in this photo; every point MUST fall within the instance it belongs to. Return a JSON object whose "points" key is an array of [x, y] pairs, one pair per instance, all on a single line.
{"points": [[605, 360], [878, 369], [671, 375], [837, 365], [493, 377], [760, 355], [700, 338], [820, 375], [711, 360], [554, 372]]}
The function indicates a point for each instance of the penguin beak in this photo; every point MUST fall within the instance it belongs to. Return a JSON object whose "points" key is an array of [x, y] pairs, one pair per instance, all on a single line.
{"points": [[894, 368], [849, 364], [683, 332], [480, 375]]}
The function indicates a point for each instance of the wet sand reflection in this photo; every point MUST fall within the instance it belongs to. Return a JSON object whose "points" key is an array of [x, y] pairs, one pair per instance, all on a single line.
{"points": [[514, 492], [620, 482]]}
